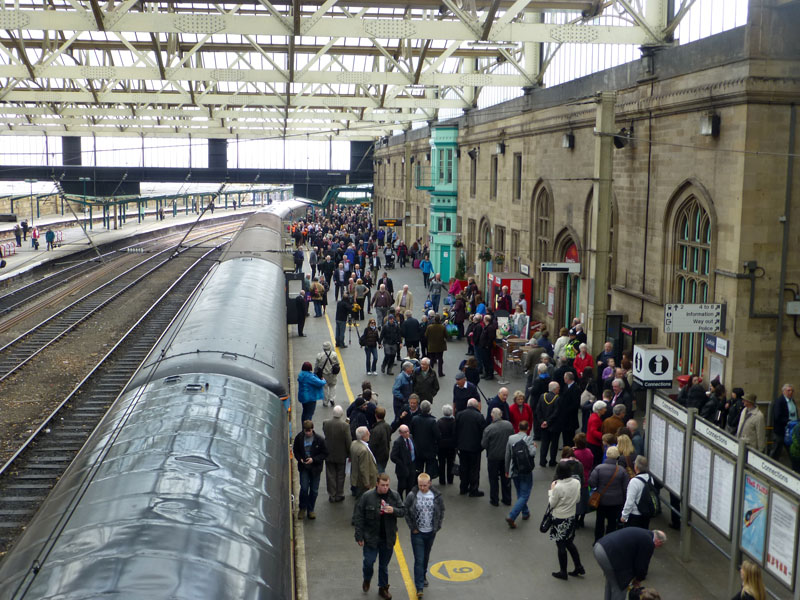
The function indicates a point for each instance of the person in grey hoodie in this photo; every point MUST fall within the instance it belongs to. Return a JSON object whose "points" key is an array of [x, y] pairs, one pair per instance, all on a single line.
{"points": [[424, 515], [494, 441]]}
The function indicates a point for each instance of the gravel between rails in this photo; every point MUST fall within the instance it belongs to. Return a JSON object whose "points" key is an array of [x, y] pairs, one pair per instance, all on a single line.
{"points": [[27, 396]]}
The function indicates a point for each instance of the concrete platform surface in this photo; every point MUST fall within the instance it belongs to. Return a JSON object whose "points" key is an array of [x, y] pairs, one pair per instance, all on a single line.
{"points": [[500, 563]]}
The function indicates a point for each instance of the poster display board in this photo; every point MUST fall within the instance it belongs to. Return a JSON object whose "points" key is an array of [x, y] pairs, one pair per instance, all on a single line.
{"points": [[700, 478], [754, 517], [673, 469], [724, 473], [782, 540], [658, 439]]}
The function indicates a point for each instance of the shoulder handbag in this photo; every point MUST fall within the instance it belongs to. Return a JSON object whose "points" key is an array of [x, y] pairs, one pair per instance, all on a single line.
{"points": [[547, 520], [594, 499], [319, 371]]}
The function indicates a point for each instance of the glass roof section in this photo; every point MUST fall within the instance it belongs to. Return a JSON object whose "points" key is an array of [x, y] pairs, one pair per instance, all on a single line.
{"points": [[255, 69]]}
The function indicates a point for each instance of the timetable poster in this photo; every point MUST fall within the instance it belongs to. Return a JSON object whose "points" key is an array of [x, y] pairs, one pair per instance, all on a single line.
{"points": [[754, 527], [722, 494], [782, 539], [700, 478], [673, 475], [658, 438]]}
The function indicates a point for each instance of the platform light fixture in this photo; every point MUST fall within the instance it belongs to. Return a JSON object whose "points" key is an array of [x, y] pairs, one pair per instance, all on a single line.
{"points": [[31, 182], [709, 124], [621, 139], [473, 154], [568, 140], [500, 148]]}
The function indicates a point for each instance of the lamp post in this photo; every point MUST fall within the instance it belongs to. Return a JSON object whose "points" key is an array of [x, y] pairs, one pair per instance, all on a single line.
{"points": [[84, 180], [31, 182]]}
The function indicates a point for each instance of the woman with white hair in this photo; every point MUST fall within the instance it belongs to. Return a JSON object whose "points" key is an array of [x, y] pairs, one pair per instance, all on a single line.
{"points": [[583, 360], [594, 431]]}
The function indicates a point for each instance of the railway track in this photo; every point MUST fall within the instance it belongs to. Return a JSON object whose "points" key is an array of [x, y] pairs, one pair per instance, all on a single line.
{"points": [[18, 352], [28, 476], [52, 282]]}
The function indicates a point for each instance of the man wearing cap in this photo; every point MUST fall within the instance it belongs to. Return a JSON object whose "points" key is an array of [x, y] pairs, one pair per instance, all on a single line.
{"points": [[328, 365], [403, 388], [310, 451], [751, 424], [463, 390]]}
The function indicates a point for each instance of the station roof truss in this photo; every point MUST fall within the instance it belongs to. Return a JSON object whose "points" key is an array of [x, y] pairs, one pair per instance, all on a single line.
{"points": [[257, 69]]}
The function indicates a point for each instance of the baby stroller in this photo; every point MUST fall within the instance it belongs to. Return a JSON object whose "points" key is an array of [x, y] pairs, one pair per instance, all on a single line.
{"points": [[389, 258]]}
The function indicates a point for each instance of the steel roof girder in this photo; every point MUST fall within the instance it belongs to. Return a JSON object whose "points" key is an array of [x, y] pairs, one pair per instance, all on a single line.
{"points": [[328, 27]]}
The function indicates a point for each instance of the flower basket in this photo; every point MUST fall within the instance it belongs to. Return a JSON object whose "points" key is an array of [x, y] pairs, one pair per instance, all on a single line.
{"points": [[458, 244], [499, 259], [485, 255]]}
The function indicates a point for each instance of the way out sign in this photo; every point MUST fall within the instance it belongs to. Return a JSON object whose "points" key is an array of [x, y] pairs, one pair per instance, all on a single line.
{"points": [[653, 366]]}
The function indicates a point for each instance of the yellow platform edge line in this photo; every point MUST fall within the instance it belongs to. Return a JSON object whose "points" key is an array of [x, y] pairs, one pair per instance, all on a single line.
{"points": [[408, 580]]}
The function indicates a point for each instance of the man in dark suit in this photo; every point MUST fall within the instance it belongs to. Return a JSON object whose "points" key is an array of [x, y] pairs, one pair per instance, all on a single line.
{"points": [[387, 281], [403, 455], [624, 555], [621, 396], [469, 433], [570, 407], [784, 410], [301, 306]]}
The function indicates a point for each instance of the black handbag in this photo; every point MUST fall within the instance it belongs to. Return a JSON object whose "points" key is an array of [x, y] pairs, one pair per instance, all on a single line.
{"points": [[547, 520]]}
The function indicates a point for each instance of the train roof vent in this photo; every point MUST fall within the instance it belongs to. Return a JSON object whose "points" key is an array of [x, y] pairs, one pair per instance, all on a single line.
{"points": [[229, 355], [194, 387], [172, 379]]}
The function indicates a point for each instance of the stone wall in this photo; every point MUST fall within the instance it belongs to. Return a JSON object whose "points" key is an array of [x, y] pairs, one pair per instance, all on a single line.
{"points": [[738, 177]]}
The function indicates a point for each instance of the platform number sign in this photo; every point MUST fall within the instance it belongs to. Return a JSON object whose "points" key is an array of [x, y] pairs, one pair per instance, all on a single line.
{"points": [[456, 570], [653, 365]]}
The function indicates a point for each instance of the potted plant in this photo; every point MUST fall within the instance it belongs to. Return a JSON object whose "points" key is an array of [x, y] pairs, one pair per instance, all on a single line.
{"points": [[485, 255], [461, 269], [499, 258], [458, 244]]}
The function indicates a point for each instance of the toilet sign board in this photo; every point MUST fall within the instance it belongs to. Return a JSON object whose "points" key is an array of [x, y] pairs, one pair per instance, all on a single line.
{"points": [[653, 366]]}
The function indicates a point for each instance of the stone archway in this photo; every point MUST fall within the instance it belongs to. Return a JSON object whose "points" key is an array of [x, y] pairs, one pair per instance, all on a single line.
{"points": [[567, 248]]}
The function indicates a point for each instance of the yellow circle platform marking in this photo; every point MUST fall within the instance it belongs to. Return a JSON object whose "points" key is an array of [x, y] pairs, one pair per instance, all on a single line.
{"points": [[456, 570]]}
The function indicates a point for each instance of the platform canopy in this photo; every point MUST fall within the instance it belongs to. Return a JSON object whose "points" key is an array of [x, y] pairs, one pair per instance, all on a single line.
{"points": [[312, 69]]}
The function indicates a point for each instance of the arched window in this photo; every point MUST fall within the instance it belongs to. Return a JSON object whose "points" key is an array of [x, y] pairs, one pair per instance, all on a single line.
{"points": [[542, 228], [692, 276]]}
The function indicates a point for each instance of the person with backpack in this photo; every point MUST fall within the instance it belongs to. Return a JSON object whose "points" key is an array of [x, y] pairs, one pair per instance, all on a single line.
{"points": [[641, 499], [327, 367], [520, 461]]}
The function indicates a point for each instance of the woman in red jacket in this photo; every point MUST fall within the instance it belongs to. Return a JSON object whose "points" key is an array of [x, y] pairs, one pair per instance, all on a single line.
{"points": [[594, 431], [583, 360], [520, 411]]}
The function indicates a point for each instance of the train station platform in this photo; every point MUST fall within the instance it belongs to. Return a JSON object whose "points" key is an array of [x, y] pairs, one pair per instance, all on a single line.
{"points": [[475, 555], [73, 239]]}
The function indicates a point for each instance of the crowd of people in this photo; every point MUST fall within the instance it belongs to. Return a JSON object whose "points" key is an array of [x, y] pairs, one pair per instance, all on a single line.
{"points": [[576, 414]]}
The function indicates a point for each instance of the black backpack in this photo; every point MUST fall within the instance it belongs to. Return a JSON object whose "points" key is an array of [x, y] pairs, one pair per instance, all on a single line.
{"points": [[649, 503], [523, 461]]}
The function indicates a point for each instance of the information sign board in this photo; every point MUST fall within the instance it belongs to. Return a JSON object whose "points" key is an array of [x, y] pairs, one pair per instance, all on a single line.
{"points": [[390, 222], [716, 435], [565, 267], [754, 517], [693, 318], [722, 494], [673, 468], [700, 480], [782, 539], [673, 410], [652, 366], [774, 472]]}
